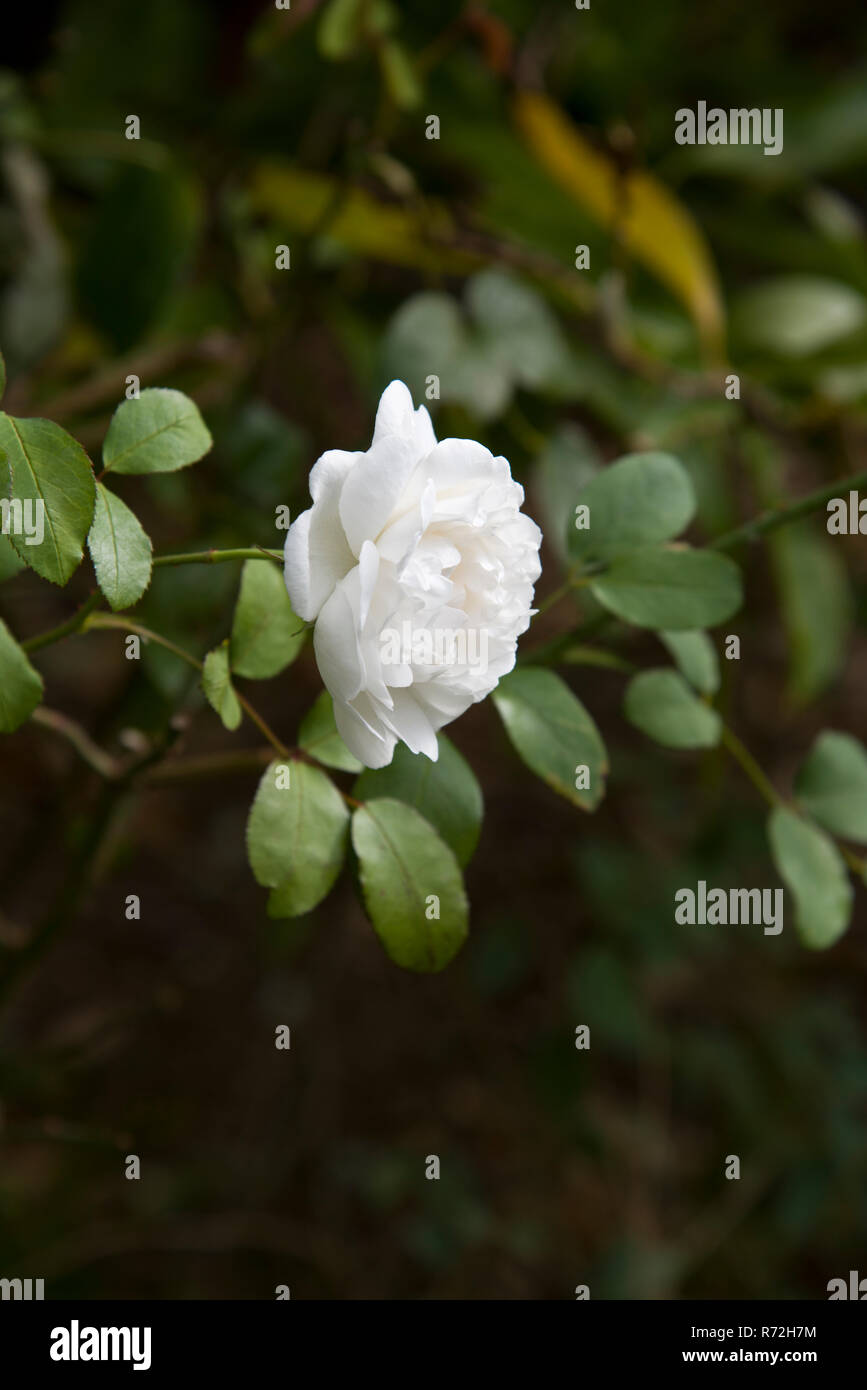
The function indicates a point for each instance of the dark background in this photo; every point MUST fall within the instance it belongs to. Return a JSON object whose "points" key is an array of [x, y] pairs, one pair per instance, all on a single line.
{"points": [[306, 1167]]}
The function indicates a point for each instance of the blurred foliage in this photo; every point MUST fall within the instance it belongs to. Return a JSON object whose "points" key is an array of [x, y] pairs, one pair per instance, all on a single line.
{"points": [[155, 257]]}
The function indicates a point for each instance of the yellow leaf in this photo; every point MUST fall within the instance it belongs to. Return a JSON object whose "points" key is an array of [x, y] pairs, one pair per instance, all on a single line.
{"points": [[651, 223], [310, 203]]}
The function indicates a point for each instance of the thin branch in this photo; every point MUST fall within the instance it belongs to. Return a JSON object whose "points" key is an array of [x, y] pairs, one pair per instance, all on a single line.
{"points": [[748, 764], [67, 728], [209, 765], [119, 622], [781, 516], [216, 557], [56, 634]]}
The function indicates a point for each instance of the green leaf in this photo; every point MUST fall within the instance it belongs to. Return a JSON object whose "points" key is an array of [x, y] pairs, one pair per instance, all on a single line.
{"points": [[697, 658], [266, 634], [318, 736], [341, 29], [136, 242], [403, 865], [518, 331], [641, 500], [566, 464], [399, 75], [296, 837], [120, 549], [832, 784], [446, 793], [47, 466], [159, 432], [663, 706], [813, 869], [218, 688], [670, 588], [553, 734], [816, 601], [425, 336], [20, 684], [796, 315], [10, 561]]}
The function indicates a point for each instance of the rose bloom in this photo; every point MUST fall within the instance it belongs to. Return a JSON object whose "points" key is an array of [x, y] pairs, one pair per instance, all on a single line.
{"points": [[412, 535]]}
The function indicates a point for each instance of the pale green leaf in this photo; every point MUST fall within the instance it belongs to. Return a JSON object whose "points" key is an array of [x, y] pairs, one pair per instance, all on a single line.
{"points": [[120, 549], [296, 836], [266, 634], [641, 500], [159, 432], [697, 658], [812, 868], [832, 785], [218, 688]]}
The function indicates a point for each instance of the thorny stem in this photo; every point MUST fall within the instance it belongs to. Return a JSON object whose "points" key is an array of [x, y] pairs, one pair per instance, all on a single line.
{"points": [[748, 764], [110, 620], [769, 521], [217, 557], [73, 624], [67, 728]]}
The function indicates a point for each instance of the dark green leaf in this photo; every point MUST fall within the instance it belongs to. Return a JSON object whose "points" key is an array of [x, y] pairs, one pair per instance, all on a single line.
{"points": [[20, 684], [136, 244], [663, 706], [670, 587], [553, 734], [565, 466], [318, 736], [412, 885], [816, 599], [48, 468], [10, 561], [446, 793]]}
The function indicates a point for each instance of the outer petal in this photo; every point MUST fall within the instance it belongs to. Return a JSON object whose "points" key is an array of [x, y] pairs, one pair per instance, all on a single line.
{"points": [[374, 488], [359, 735], [316, 556], [396, 415], [336, 643], [411, 725]]}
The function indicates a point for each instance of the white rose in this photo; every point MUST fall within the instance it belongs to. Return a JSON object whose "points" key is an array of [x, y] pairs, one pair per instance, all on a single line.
{"points": [[418, 567]]}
